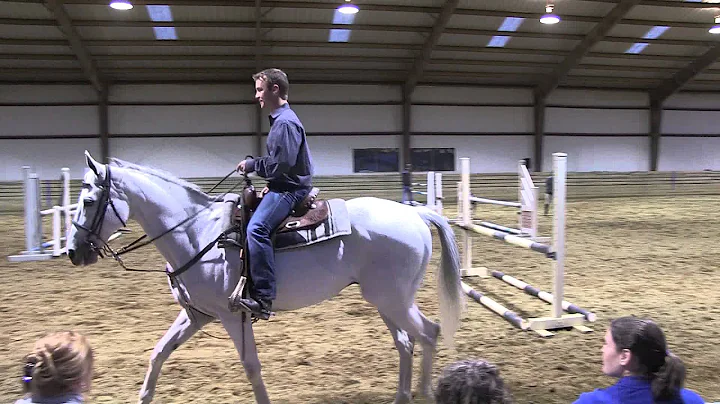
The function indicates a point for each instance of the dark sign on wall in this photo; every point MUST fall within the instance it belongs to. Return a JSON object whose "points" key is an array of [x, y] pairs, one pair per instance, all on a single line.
{"points": [[376, 160]]}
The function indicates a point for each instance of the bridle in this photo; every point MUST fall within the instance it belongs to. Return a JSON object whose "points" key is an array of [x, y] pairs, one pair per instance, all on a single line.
{"points": [[93, 237], [98, 245]]}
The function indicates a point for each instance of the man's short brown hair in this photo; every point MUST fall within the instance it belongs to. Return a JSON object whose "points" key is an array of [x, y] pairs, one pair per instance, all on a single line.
{"points": [[272, 77]]}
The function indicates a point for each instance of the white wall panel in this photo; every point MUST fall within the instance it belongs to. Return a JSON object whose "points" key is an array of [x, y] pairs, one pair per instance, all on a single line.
{"points": [[348, 118], [47, 93], [46, 121], [690, 122], [186, 156], [332, 155], [596, 120], [598, 98], [182, 92], [472, 95], [607, 153], [182, 119], [343, 93], [467, 119], [693, 100], [488, 154], [689, 153], [45, 156]]}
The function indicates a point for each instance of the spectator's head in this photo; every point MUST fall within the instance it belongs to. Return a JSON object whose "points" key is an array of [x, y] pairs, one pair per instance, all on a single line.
{"points": [[471, 382], [59, 363], [637, 347]]}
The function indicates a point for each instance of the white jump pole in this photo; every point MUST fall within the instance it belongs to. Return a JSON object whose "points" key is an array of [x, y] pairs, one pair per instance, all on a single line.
{"points": [[528, 196], [66, 204], [438, 193], [430, 193], [466, 220], [558, 242]]}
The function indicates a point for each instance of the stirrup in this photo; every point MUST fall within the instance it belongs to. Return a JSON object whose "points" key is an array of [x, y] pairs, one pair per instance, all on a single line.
{"points": [[237, 293]]}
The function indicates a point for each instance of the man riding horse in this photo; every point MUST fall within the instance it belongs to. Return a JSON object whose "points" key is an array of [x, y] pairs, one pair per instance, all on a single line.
{"points": [[288, 169]]}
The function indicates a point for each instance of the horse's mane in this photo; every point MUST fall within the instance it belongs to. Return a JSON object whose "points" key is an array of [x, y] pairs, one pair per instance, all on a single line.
{"points": [[162, 174]]}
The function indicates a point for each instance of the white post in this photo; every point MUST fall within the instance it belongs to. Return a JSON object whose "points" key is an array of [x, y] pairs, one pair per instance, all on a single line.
{"points": [[28, 209], [465, 214], [33, 224], [460, 202], [438, 194], [66, 203], [559, 193], [430, 190], [527, 195], [57, 231]]}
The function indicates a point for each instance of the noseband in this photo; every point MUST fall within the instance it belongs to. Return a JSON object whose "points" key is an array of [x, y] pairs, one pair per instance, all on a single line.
{"points": [[93, 233]]}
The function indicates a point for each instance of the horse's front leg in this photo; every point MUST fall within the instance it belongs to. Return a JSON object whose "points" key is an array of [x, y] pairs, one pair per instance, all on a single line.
{"points": [[242, 335], [180, 331]]}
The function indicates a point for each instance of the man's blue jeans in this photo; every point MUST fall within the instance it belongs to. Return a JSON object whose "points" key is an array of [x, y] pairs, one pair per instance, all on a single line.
{"points": [[273, 209]]}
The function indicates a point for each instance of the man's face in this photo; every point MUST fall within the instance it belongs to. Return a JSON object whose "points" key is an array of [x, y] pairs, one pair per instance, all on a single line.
{"points": [[266, 96]]}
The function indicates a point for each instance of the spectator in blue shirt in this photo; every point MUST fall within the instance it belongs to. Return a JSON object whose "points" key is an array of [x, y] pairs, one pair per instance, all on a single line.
{"points": [[288, 170], [635, 352]]}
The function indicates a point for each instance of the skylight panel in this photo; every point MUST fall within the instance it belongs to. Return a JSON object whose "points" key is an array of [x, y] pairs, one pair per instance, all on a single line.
{"points": [[165, 33], [341, 35], [636, 48], [498, 41], [655, 32], [159, 13], [511, 24]]}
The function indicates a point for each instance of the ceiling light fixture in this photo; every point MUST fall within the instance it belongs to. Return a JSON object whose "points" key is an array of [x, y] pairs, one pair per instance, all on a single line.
{"points": [[121, 5], [549, 17], [348, 8], [716, 28]]}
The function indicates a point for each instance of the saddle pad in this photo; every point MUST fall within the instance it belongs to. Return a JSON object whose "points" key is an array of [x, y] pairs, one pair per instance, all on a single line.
{"points": [[336, 224]]}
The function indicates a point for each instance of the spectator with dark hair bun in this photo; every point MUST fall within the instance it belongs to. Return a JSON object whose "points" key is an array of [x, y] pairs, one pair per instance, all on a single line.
{"points": [[58, 370], [471, 382], [635, 351]]}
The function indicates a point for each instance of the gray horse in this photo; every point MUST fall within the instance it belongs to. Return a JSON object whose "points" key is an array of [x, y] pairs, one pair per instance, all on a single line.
{"points": [[386, 254]]}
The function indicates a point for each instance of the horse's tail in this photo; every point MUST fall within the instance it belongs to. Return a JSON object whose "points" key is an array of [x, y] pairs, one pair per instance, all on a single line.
{"points": [[450, 294]]}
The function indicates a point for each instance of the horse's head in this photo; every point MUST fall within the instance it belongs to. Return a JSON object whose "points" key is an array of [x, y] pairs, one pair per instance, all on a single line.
{"points": [[100, 213]]}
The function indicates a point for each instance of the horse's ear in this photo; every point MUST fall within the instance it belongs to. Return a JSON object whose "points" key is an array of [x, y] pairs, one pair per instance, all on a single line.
{"points": [[96, 167]]}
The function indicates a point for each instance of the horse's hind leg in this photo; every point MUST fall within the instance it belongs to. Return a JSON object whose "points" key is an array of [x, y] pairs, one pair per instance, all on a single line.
{"points": [[242, 335], [180, 331], [423, 330], [405, 345]]}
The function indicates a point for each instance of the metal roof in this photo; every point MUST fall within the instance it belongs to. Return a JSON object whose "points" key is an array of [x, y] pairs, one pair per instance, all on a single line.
{"points": [[405, 42]]}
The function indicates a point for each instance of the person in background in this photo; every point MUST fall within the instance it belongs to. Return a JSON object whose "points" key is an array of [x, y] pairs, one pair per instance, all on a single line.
{"points": [[635, 352], [548, 193], [58, 370], [471, 382]]}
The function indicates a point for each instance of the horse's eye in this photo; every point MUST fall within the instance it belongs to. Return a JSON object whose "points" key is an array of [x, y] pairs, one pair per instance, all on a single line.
{"points": [[88, 201]]}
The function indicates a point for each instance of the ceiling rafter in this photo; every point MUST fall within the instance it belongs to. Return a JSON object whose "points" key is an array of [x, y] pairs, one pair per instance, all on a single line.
{"points": [[83, 56], [329, 58], [250, 24], [366, 6], [423, 58], [594, 36], [685, 75], [359, 45]]}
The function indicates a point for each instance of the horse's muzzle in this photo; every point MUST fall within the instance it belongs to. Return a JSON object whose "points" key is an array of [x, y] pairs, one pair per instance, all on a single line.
{"points": [[82, 256]]}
